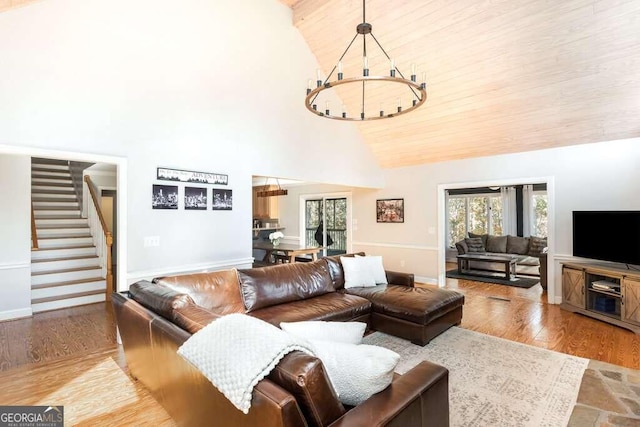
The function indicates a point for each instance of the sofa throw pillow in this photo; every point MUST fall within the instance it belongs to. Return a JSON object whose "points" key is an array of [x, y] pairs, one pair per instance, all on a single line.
{"points": [[344, 332], [474, 244], [356, 272], [497, 244], [356, 371], [517, 245], [376, 268], [482, 236], [537, 245]]}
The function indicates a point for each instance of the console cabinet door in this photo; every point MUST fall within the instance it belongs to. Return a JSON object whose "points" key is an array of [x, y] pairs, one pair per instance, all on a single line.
{"points": [[573, 287], [631, 300]]}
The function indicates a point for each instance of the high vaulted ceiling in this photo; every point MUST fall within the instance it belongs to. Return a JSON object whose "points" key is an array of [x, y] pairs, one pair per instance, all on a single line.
{"points": [[504, 76]]}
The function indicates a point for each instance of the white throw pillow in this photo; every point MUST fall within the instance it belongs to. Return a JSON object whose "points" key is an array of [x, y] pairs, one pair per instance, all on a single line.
{"points": [[356, 371], [344, 332], [376, 268], [356, 272]]}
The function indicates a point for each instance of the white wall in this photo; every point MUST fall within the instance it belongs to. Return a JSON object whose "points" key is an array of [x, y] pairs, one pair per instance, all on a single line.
{"points": [[206, 86], [15, 225], [584, 177]]}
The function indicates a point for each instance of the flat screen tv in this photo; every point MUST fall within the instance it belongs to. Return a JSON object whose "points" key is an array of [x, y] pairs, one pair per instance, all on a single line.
{"points": [[607, 235]]}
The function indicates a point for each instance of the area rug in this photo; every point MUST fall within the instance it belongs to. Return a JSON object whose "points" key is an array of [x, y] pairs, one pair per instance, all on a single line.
{"points": [[496, 382], [518, 282]]}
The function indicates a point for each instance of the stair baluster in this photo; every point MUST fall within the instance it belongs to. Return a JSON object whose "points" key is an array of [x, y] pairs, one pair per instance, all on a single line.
{"points": [[102, 236]]}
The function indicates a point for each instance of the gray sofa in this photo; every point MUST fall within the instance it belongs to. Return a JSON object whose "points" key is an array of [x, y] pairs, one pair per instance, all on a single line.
{"points": [[529, 252]]}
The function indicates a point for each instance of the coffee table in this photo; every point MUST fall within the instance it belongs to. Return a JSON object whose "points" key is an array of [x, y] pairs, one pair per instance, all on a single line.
{"points": [[509, 262]]}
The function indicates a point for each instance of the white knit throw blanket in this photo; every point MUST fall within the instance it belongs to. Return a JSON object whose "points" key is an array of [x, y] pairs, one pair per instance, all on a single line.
{"points": [[237, 351]]}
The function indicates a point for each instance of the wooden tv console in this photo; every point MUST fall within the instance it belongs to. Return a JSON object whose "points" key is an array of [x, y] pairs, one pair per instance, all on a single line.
{"points": [[619, 305]]}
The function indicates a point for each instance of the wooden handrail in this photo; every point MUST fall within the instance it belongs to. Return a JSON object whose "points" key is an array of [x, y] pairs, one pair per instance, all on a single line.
{"points": [[34, 231], [107, 235]]}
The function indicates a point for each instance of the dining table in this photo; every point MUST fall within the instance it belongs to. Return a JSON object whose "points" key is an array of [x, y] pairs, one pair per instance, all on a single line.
{"points": [[288, 251]]}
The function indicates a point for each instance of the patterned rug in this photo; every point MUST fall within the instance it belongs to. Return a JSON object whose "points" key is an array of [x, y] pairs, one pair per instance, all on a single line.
{"points": [[497, 279], [495, 382]]}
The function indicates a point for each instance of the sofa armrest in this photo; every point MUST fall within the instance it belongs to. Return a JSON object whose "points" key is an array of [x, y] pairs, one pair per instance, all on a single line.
{"points": [[159, 298], [420, 397], [192, 317], [462, 247], [398, 278]]}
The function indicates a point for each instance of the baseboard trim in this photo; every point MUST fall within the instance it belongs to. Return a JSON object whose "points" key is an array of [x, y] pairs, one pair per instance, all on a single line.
{"points": [[427, 280], [191, 268], [396, 245], [15, 314]]}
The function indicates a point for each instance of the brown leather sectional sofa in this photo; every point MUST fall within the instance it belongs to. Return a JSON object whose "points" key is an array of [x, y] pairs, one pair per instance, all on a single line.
{"points": [[154, 319]]}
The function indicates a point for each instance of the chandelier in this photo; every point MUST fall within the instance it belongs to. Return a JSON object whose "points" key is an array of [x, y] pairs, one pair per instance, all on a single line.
{"points": [[417, 92]]}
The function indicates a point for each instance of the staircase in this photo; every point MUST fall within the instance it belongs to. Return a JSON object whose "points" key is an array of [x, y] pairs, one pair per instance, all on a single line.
{"points": [[65, 269]]}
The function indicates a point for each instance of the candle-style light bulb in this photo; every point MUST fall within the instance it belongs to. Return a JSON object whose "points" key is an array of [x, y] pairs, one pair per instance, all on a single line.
{"points": [[423, 85], [344, 111], [413, 72], [392, 67], [365, 64], [309, 86], [326, 108], [399, 105], [381, 110], [340, 75], [318, 78]]}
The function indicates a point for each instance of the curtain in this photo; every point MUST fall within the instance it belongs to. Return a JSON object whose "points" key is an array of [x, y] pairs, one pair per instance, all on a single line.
{"points": [[509, 211], [528, 216]]}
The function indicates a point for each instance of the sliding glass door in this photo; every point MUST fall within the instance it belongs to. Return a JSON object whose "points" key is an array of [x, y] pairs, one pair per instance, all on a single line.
{"points": [[325, 224]]}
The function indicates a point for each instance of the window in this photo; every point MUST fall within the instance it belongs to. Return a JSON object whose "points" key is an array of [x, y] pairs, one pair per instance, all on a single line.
{"points": [[475, 213], [540, 202]]}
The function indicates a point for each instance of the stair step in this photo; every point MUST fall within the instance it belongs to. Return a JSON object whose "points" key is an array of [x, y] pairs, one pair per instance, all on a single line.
{"points": [[69, 258], [54, 228], [66, 236], [49, 253], [61, 221], [68, 270], [57, 214], [35, 188], [53, 198], [67, 296], [50, 183], [74, 287], [59, 241], [52, 276], [67, 247], [51, 180], [65, 303], [67, 283], [60, 263], [56, 205], [62, 232], [53, 193], [46, 169], [48, 162]]}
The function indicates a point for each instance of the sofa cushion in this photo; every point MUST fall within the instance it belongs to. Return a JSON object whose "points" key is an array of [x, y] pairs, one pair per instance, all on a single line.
{"points": [[537, 245], [497, 244], [357, 272], [475, 244], [331, 306], [482, 236], [335, 268], [346, 332], [305, 378], [517, 245], [267, 286], [417, 305], [218, 291]]}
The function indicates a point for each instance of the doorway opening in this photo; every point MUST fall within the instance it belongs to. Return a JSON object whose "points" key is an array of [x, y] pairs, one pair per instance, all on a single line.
{"points": [[325, 222]]}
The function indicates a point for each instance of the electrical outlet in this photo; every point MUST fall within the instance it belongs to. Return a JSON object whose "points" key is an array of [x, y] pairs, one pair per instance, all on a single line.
{"points": [[151, 241]]}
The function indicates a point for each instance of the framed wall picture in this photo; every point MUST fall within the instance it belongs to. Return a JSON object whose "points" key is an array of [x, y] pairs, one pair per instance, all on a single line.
{"points": [[390, 210], [165, 197], [167, 174], [222, 200], [195, 198]]}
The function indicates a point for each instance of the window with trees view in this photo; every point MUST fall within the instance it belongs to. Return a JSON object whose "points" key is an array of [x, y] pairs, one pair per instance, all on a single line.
{"points": [[540, 202], [480, 214]]}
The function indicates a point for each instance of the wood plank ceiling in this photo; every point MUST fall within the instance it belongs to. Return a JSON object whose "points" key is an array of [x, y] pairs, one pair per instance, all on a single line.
{"points": [[12, 4], [504, 76]]}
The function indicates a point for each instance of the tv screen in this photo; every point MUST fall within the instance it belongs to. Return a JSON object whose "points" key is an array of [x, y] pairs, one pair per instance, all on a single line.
{"points": [[607, 235]]}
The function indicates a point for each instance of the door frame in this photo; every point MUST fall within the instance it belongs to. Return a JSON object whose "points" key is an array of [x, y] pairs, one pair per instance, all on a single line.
{"points": [[121, 197], [336, 195]]}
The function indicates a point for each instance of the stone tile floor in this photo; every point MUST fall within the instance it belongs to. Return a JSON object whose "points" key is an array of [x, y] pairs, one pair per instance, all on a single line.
{"points": [[609, 396]]}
